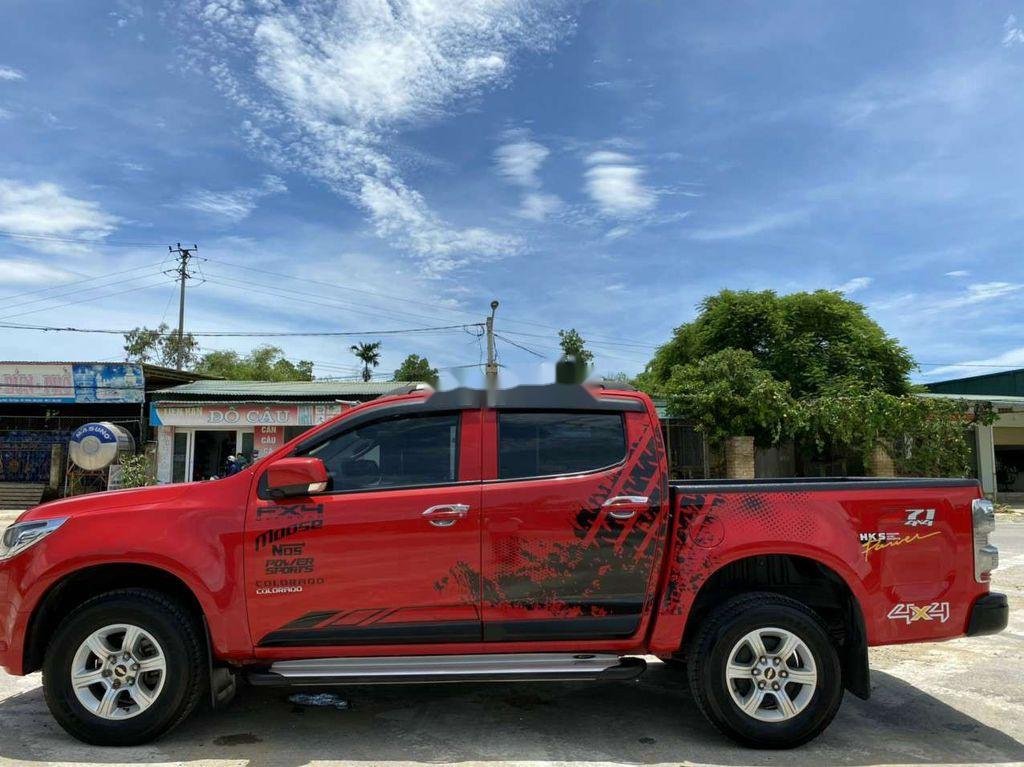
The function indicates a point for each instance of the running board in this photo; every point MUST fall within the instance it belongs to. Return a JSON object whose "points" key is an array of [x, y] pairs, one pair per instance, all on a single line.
{"points": [[525, 667]]}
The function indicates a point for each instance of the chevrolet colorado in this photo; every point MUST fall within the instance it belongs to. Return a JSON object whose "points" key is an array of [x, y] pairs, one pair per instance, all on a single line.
{"points": [[525, 534]]}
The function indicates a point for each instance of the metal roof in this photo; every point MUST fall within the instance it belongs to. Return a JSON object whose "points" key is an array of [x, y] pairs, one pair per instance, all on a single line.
{"points": [[277, 389], [995, 399]]}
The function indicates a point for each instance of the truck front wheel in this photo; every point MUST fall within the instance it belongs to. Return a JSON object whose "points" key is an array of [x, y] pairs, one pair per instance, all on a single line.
{"points": [[124, 667], [763, 670]]}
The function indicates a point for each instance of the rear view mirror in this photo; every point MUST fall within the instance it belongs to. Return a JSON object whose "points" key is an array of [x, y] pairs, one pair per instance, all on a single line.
{"points": [[291, 477]]}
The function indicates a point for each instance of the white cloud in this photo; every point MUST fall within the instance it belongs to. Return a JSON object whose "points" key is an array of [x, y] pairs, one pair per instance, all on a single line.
{"points": [[984, 291], [519, 161], [235, 205], [855, 284], [958, 273], [537, 206], [616, 184], [328, 86], [1012, 32], [757, 225], [31, 273], [43, 209], [1009, 359], [10, 73]]}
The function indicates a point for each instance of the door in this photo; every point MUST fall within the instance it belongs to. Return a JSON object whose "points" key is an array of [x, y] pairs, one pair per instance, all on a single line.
{"points": [[573, 524], [388, 555]]}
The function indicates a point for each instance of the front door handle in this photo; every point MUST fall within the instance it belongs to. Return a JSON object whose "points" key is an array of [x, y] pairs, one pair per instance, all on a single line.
{"points": [[624, 506], [446, 514]]}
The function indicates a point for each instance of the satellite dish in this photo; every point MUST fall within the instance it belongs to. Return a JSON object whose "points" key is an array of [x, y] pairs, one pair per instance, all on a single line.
{"points": [[97, 445]]}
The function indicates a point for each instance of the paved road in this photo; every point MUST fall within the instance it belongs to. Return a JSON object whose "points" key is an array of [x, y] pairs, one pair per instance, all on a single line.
{"points": [[953, 702]]}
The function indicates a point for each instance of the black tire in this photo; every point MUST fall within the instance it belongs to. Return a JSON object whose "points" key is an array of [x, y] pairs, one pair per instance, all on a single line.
{"points": [[709, 655], [185, 679]]}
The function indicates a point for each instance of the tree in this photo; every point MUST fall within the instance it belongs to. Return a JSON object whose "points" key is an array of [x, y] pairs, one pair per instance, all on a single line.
{"points": [[812, 367], [369, 355], [729, 394], [815, 342], [160, 346], [573, 345], [264, 363], [416, 368]]}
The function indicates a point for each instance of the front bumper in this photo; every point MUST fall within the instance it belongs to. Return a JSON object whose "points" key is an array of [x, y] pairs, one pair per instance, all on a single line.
{"points": [[989, 615]]}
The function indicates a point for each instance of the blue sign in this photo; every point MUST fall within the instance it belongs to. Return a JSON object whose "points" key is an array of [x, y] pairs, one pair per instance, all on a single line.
{"points": [[103, 382]]}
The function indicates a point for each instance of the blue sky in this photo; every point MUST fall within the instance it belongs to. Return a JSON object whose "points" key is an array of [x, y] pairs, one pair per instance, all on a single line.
{"points": [[375, 165]]}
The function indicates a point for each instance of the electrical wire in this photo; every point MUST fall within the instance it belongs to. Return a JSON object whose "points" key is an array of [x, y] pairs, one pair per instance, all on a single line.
{"points": [[520, 346], [86, 300]]}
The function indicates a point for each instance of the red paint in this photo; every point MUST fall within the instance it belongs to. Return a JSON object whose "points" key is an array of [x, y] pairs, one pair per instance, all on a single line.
{"points": [[543, 550]]}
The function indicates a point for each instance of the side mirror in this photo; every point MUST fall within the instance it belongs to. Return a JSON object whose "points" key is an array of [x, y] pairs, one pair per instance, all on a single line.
{"points": [[290, 477]]}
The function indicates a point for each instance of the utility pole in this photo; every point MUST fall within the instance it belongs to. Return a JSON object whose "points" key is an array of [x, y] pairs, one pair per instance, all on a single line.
{"points": [[492, 364], [184, 255]]}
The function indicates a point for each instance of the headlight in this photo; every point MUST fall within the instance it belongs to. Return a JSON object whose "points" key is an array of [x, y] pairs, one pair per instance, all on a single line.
{"points": [[21, 535]]}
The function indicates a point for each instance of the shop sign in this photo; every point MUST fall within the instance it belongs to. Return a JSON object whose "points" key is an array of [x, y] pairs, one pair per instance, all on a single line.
{"points": [[241, 415], [70, 382]]}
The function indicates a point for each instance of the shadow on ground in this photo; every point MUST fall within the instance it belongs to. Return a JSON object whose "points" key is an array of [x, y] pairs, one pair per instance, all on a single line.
{"points": [[653, 720]]}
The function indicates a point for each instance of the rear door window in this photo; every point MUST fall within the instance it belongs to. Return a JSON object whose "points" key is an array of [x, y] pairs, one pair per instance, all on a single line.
{"points": [[546, 444]]}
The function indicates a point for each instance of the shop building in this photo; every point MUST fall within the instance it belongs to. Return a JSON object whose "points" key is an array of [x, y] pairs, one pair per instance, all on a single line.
{"points": [[999, 448], [42, 403], [198, 425]]}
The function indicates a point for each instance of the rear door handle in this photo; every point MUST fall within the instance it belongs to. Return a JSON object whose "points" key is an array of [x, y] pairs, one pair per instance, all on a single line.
{"points": [[624, 506], [446, 514]]}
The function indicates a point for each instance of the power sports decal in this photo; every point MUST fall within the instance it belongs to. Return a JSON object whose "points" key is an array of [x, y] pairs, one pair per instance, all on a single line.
{"points": [[287, 557], [908, 612], [871, 542]]}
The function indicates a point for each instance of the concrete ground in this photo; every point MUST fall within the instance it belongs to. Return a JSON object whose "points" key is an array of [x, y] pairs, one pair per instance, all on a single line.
{"points": [[959, 702]]}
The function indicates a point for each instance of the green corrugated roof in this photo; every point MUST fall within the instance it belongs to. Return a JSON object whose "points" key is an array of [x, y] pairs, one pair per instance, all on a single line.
{"points": [[292, 389]]}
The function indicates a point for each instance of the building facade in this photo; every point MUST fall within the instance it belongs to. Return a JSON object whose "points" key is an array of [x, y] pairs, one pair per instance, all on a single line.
{"points": [[198, 425], [42, 403], [999, 448]]}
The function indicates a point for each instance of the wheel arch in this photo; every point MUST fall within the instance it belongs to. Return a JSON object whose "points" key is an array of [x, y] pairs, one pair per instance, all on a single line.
{"points": [[810, 581], [75, 587]]}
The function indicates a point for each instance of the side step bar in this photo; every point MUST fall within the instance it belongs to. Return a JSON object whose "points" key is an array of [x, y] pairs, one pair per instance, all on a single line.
{"points": [[525, 667]]}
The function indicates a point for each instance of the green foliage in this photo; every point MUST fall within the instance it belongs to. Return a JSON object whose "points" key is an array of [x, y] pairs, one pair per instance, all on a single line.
{"points": [[729, 394], [369, 355], [160, 346], [136, 471], [264, 363], [573, 345], [925, 436], [809, 340], [416, 368], [811, 367]]}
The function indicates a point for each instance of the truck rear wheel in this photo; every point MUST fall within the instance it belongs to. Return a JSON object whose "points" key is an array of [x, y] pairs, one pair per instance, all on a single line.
{"points": [[763, 670], [124, 668]]}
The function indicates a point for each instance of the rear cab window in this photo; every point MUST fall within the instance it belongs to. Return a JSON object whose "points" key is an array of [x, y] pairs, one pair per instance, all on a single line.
{"points": [[545, 444]]}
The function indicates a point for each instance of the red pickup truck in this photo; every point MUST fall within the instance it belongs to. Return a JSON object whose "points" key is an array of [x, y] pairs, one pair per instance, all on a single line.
{"points": [[525, 534]]}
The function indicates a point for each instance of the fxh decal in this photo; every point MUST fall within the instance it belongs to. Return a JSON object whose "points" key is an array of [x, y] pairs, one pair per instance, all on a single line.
{"points": [[910, 613], [920, 517]]}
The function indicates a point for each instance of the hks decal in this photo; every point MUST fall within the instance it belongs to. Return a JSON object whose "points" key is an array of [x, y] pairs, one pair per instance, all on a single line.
{"points": [[870, 542]]}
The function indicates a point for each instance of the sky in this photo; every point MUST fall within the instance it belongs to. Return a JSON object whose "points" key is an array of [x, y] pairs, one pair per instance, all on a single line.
{"points": [[374, 166]]}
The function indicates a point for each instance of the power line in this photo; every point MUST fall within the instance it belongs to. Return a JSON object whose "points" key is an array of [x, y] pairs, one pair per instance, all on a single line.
{"points": [[240, 334], [520, 346], [86, 300], [77, 291], [73, 282], [80, 240]]}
